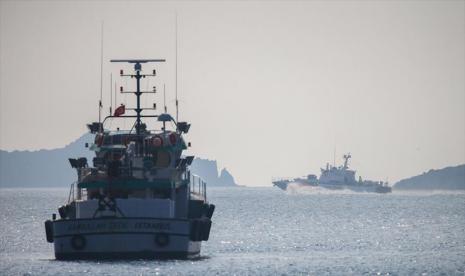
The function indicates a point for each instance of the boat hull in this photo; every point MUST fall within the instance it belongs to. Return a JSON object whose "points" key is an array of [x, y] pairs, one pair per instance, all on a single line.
{"points": [[358, 188], [284, 184], [355, 188], [126, 238], [281, 184]]}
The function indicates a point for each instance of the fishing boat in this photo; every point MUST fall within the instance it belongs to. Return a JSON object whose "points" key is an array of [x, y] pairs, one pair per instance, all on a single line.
{"points": [[138, 198]]}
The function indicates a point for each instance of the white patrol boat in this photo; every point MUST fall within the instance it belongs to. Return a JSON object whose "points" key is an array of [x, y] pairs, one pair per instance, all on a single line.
{"points": [[336, 178], [139, 199], [342, 177]]}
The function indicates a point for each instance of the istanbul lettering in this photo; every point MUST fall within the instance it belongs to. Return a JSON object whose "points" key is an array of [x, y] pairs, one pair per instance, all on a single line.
{"points": [[118, 226]]}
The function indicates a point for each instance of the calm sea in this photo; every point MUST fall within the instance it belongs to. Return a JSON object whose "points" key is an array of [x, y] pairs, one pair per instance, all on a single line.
{"points": [[266, 231]]}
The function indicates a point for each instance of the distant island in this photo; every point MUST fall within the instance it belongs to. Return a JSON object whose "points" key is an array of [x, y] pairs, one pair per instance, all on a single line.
{"points": [[208, 170], [50, 168], [450, 178]]}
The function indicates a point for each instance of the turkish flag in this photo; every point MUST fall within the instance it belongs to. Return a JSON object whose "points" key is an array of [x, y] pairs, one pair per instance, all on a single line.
{"points": [[119, 111]]}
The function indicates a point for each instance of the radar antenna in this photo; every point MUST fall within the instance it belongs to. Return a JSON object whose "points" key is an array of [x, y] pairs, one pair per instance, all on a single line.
{"points": [[346, 160]]}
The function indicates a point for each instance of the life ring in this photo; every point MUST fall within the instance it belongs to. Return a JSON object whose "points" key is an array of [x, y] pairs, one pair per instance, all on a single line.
{"points": [[78, 242], [162, 239], [157, 141]]}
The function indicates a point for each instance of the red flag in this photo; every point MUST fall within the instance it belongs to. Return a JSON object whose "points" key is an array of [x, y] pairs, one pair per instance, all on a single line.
{"points": [[120, 110]]}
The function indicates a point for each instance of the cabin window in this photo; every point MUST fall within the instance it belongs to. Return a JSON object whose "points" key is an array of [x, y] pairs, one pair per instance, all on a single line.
{"points": [[117, 140], [107, 140], [113, 140], [162, 159]]}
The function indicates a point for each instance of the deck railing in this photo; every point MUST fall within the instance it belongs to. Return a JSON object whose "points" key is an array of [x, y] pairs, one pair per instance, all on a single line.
{"points": [[198, 186]]}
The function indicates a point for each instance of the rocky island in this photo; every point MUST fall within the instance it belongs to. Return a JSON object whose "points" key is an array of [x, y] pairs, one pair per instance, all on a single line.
{"points": [[449, 178], [50, 168]]}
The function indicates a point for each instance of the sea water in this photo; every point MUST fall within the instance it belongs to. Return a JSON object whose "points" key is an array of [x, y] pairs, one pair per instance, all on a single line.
{"points": [[266, 231]]}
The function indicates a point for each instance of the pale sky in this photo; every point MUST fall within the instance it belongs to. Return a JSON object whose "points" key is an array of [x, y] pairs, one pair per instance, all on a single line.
{"points": [[271, 88]]}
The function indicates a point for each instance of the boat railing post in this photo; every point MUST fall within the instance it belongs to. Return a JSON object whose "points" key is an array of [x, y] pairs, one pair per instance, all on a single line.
{"points": [[205, 190], [79, 194], [71, 193], [189, 188]]}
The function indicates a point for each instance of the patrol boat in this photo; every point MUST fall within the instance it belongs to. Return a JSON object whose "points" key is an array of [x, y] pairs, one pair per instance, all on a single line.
{"points": [[342, 177], [139, 199], [337, 178]]}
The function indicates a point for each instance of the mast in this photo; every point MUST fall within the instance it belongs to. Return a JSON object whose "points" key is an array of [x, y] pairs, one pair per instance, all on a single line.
{"points": [[138, 68], [111, 93], [115, 95], [101, 78], [138, 92], [164, 99], [334, 157], [176, 67]]}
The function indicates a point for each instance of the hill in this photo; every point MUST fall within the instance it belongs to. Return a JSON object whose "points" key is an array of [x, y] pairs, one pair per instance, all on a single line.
{"points": [[449, 178], [42, 168], [50, 168]]}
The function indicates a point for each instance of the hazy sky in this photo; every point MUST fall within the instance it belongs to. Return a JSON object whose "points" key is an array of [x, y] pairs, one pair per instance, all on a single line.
{"points": [[271, 88]]}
